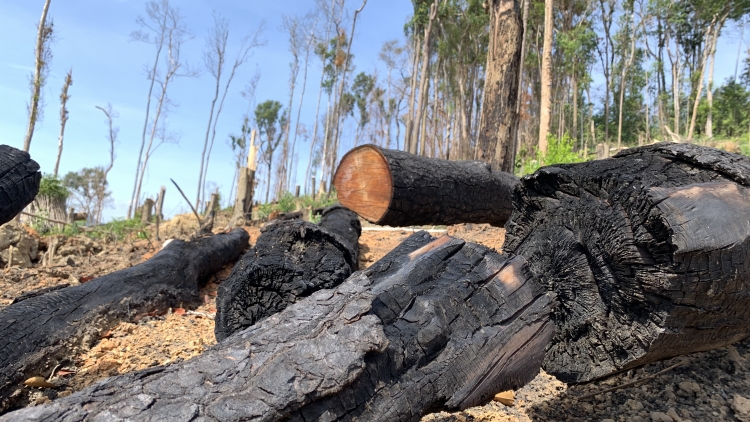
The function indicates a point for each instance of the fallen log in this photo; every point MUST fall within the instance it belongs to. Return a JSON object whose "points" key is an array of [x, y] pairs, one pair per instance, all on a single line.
{"points": [[445, 326], [395, 188], [290, 260], [647, 252], [39, 332], [19, 181]]}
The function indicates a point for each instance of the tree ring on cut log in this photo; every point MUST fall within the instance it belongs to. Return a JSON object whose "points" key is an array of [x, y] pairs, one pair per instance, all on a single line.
{"points": [[364, 182]]}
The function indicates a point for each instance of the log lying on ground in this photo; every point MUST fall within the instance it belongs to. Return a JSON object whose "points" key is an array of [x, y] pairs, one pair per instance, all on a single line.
{"points": [[19, 181], [290, 260], [395, 188], [647, 252], [40, 332], [442, 327]]}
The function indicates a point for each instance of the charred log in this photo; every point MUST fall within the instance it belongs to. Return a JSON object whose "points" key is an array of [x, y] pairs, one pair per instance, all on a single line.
{"points": [[648, 252], [291, 259], [41, 331], [19, 181], [395, 188], [442, 327]]}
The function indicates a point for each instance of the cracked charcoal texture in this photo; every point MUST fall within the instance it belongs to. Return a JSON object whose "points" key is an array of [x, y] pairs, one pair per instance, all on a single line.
{"points": [[39, 332], [429, 191], [647, 252], [444, 326], [19, 181], [291, 260]]}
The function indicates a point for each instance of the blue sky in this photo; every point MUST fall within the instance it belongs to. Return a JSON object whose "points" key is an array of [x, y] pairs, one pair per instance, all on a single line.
{"points": [[93, 38]]}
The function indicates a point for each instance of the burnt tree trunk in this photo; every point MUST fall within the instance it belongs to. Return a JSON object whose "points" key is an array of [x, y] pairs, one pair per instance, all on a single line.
{"points": [[396, 188], [291, 260], [39, 332], [444, 326], [647, 252], [19, 181]]}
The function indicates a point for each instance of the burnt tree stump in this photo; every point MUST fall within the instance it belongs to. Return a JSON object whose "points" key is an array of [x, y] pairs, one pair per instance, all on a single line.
{"points": [[444, 326], [291, 259], [39, 332], [395, 188], [648, 253], [19, 181]]}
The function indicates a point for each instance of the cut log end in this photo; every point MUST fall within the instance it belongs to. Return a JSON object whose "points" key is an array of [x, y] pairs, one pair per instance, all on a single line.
{"points": [[364, 183]]}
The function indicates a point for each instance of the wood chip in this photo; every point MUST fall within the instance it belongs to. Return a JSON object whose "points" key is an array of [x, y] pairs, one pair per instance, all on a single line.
{"points": [[507, 398]]}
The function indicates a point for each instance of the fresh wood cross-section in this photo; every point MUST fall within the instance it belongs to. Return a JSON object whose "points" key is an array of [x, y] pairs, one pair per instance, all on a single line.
{"points": [[395, 188]]}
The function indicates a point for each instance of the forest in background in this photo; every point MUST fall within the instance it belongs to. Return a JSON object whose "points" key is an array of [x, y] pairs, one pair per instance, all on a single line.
{"points": [[611, 72]]}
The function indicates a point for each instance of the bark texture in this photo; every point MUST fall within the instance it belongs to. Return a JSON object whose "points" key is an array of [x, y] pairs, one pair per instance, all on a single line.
{"points": [[395, 188], [42, 331], [19, 181], [291, 260], [499, 120], [445, 326], [647, 252]]}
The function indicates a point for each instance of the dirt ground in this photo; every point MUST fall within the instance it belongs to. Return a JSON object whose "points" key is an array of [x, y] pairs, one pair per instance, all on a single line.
{"points": [[713, 385]]}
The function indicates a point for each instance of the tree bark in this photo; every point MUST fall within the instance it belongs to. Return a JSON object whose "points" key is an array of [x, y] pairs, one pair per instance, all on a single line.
{"points": [[39, 332], [546, 95], [63, 117], [498, 122], [424, 85], [291, 260], [395, 188], [392, 343], [19, 181], [647, 253]]}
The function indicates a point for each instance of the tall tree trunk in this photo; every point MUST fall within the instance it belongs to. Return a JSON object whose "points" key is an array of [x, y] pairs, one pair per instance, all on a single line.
{"points": [[424, 84], [711, 33], [412, 94], [544, 110], [299, 111], [199, 192], [498, 123], [63, 117], [42, 38], [625, 68], [709, 90]]}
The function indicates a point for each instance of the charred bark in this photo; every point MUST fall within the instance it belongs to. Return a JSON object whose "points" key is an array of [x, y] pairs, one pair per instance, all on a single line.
{"points": [[396, 188], [647, 252], [445, 326], [291, 260], [39, 332], [19, 181]]}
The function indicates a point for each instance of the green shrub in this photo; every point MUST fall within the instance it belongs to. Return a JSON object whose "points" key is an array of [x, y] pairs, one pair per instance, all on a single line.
{"points": [[559, 151], [53, 187]]}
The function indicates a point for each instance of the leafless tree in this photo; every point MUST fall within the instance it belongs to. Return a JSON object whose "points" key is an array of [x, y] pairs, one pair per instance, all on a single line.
{"points": [[63, 116], [112, 138], [41, 71], [215, 61], [293, 27], [163, 27]]}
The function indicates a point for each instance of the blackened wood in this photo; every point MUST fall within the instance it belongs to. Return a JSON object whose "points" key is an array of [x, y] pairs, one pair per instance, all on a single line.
{"points": [[649, 253], [291, 259], [445, 326], [39, 332], [395, 188], [19, 181]]}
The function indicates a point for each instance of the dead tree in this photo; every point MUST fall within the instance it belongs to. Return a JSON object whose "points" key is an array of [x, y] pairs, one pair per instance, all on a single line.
{"points": [[647, 252], [395, 188], [19, 181], [444, 326], [42, 331], [291, 260]]}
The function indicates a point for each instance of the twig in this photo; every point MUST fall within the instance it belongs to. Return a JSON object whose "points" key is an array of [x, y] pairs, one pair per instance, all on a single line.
{"points": [[200, 223], [631, 383]]}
